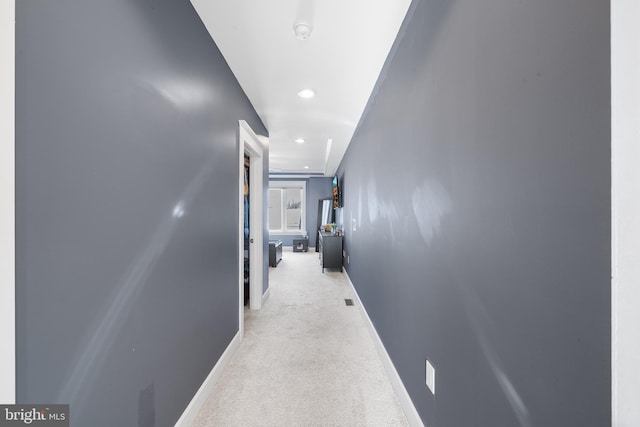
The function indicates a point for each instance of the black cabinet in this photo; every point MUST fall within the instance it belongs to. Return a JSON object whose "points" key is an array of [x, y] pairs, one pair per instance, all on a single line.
{"points": [[275, 252], [330, 250], [301, 244]]}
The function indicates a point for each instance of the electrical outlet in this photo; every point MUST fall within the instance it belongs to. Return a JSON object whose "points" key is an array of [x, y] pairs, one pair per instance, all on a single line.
{"points": [[430, 377]]}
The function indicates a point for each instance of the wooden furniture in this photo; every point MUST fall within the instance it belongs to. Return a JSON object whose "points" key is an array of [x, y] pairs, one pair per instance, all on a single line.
{"points": [[275, 252], [330, 248]]}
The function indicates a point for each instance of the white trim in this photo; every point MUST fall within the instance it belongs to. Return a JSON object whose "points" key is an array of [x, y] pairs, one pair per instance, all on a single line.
{"points": [[192, 410], [327, 155], [7, 203], [296, 176], [257, 227], [253, 147], [240, 235], [266, 296], [403, 396], [286, 184], [625, 211], [290, 233]]}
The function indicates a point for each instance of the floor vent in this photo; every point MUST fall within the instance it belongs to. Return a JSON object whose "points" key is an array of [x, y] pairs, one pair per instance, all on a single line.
{"points": [[348, 301]]}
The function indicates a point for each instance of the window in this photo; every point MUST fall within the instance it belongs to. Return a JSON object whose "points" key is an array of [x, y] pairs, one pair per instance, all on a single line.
{"points": [[287, 207]]}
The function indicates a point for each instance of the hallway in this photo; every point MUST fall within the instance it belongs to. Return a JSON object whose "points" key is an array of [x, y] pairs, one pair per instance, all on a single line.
{"points": [[307, 359], [489, 190]]}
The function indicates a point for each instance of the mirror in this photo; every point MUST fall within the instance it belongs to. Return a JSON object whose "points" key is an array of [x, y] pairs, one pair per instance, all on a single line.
{"points": [[325, 211]]}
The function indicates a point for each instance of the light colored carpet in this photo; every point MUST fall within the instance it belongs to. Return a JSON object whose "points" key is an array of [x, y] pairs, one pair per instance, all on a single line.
{"points": [[306, 359]]}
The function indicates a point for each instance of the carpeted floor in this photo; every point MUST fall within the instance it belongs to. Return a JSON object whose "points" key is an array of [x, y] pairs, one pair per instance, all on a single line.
{"points": [[306, 359]]}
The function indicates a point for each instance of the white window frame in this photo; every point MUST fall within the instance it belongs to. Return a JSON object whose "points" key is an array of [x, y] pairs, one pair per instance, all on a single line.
{"points": [[291, 184]]}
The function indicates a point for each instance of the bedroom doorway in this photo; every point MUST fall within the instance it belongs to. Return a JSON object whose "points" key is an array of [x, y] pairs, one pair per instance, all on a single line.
{"points": [[250, 153]]}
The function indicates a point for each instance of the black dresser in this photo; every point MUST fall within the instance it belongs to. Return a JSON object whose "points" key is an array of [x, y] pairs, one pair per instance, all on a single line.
{"points": [[330, 248]]}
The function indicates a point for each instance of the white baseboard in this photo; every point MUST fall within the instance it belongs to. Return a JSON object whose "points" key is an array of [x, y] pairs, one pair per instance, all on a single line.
{"points": [[189, 415], [403, 396], [266, 296]]}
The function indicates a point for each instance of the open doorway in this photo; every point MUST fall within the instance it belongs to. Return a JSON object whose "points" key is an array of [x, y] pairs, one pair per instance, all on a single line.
{"points": [[246, 228], [250, 157]]}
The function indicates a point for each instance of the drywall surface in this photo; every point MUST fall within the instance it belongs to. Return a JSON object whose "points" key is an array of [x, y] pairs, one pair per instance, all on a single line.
{"points": [[127, 226], [626, 211], [477, 208]]}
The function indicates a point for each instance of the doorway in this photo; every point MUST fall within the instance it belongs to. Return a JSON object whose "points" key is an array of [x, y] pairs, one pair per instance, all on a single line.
{"points": [[251, 147], [246, 227]]}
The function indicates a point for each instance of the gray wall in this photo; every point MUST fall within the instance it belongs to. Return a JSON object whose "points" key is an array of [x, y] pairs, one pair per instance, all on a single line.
{"points": [[127, 213], [479, 180], [317, 188]]}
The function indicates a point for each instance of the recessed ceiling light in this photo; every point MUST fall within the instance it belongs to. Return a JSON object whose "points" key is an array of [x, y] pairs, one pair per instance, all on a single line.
{"points": [[306, 93], [300, 141], [306, 167]]}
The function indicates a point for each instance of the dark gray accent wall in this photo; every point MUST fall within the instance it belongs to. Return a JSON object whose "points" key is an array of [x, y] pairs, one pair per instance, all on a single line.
{"points": [[317, 188], [478, 182], [127, 214]]}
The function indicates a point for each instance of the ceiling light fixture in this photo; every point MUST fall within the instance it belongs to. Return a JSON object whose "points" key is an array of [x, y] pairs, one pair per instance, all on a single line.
{"points": [[302, 30], [306, 93], [300, 141], [306, 167]]}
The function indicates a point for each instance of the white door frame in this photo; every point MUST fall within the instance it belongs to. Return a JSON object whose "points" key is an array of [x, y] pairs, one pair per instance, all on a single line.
{"points": [[250, 144], [7, 203], [625, 207]]}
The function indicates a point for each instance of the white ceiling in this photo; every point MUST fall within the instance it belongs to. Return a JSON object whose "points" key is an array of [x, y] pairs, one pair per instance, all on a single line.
{"points": [[341, 61]]}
